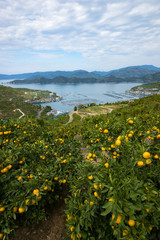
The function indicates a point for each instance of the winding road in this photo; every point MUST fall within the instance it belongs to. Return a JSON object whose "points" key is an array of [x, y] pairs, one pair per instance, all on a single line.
{"points": [[20, 112]]}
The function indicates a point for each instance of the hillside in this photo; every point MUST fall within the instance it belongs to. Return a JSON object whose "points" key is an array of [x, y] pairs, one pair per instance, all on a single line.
{"points": [[95, 178], [22, 98], [128, 72], [152, 77]]}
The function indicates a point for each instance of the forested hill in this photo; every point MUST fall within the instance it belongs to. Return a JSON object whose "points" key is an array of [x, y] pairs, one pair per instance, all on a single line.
{"points": [[128, 72], [65, 80], [152, 77], [76, 80]]}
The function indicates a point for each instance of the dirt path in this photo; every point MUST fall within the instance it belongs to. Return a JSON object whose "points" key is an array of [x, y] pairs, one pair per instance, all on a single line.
{"points": [[40, 112], [53, 228], [70, 117]]}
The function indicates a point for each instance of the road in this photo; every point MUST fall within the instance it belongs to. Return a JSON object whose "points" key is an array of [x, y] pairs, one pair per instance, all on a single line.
{"points": [[20, 112]]}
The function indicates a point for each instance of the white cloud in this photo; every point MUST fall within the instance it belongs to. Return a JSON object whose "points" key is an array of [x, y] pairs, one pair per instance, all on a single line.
{"points": [[145, 9], [96, 29]]}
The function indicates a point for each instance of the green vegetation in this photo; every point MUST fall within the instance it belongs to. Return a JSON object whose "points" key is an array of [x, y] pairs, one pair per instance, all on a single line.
{"points": [[114, 186], [17, 98], [60, 120], [76, 119], [24, 93], [11, 99], [148, 86]]}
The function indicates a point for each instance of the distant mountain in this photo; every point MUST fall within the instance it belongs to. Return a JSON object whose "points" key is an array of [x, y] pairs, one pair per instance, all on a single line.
{"points": [[128, 72], [50, 75], [67, 80], [15, 76], [136, 72], [73, 80], [77, 80], [68, 74], [151, 78], [100, 73]]}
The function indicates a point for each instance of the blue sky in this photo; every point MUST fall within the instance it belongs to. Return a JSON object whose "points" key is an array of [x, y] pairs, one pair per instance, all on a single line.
{"points": [[49, 35]]}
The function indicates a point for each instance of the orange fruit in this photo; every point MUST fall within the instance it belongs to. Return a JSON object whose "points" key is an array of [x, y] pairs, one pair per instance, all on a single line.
{"points": [[106, 165], [27, 202], [118, 142], [36, 191], [148, 161], [105, 130], [131, 222], [21, 210], [95, 194], [15, 209], [124, 233], [118, 220], [111, 200], [71, 228], [90, 177], [146, 155], [9, 166], [140, 163], [2, 209], [1, 235], [130, 121]]}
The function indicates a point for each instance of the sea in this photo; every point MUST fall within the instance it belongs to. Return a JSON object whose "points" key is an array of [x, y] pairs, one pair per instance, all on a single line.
{"points": [[75, 94]]}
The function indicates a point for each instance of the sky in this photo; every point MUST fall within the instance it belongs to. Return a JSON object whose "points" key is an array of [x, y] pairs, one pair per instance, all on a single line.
{"points": [[102, 35]]}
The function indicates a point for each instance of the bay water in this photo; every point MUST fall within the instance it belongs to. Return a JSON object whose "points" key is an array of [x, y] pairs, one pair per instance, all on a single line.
{"points": [[75, 94]]}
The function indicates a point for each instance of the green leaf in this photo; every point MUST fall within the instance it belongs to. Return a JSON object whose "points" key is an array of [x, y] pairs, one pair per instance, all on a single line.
{"points": [[77, 229], [84, 235], [108, 209], [105, 190], [107, 204]]}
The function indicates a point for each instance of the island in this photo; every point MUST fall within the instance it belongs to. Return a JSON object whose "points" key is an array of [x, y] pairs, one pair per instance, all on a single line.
{"points": [[146, 89]]}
